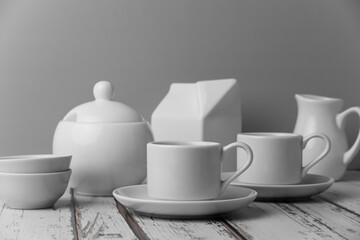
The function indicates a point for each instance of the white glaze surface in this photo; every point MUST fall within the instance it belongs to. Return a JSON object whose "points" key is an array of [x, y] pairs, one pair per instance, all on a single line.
{"points": [[201, 111], [108, 142], [311, 185], [137, 198], [41, 163], [325, 114], [32, 190], [277, 157], [189, 170], [105, 156]]}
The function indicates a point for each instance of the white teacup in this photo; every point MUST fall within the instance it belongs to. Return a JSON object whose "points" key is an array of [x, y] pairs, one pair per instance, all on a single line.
{"points": [[189, 170], [278, 157]]}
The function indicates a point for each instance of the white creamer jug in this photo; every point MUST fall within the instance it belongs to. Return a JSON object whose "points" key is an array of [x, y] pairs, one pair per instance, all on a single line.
{"points": [[324, 114]]}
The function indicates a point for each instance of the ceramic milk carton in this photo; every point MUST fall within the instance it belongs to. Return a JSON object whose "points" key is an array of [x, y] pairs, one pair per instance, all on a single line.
{"points": [[201, 111]]}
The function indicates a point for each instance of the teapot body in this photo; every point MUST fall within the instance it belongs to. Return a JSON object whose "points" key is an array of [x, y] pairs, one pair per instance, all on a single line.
{"points": [[105, 156]]}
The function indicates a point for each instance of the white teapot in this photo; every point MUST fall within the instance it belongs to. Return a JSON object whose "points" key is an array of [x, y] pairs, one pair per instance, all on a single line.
{"points": [[107, 140]]}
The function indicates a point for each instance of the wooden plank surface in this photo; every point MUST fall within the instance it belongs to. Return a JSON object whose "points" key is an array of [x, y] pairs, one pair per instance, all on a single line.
{"points": [[146, 227], [302, 220], [335, 214], [309, 219], [332, 215], [98, 218], [345, 193], [157, 228], [46, 224]]}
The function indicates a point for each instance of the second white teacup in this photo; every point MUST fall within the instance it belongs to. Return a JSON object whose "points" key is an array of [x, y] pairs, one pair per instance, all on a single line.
{"points": [[278, 157], [189, 170]]}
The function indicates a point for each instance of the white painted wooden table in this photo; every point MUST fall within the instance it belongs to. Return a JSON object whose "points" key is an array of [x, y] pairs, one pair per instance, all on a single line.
{"points": [[334, 214]]}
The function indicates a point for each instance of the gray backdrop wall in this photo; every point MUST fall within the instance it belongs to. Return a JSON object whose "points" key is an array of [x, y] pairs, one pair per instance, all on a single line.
{"points": [[52, 53]]}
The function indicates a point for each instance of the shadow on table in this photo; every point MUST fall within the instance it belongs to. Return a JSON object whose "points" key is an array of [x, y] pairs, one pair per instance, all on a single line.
{"points": [[62, 203], [351, 176], [251, 212], [257, 210]]}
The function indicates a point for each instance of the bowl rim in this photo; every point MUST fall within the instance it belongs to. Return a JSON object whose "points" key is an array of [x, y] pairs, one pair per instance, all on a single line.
{"points": [[39, 157], [68, 171]]}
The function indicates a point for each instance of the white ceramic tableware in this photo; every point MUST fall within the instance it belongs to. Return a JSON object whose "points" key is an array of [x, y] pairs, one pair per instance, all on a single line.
{"points": [[108, 142], [277, 157], [33, 190], [41, 163], [189, 170], [136, 197], [201, 111], [309, 186], [325, 114]]}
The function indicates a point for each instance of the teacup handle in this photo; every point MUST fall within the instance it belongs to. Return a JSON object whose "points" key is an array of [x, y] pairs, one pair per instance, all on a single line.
{"points": [[249, 160], [349, 154], [326, 150]]}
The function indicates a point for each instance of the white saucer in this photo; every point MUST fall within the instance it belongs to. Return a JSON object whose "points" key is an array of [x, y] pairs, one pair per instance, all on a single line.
{"points": [[311, 185], [136, 198]]}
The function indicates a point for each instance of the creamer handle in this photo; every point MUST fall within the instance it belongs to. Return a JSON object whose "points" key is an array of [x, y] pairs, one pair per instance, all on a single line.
{"points": [[340, 119]]}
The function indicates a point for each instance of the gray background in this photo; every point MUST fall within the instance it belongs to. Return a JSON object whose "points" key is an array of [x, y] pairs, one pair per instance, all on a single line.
{"points": [[53, 52]]}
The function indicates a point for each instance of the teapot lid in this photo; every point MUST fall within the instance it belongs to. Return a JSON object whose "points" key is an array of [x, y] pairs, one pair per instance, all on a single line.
{"points": [[103, 109]]}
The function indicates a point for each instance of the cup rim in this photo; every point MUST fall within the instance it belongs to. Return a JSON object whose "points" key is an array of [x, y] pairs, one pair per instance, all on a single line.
{"points": [[102, 123], [183, 144], [262, 135]]}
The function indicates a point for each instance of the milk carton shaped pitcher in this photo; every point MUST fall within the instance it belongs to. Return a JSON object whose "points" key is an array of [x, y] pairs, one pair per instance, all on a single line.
{"points": [[201, 111], [324, 114]]}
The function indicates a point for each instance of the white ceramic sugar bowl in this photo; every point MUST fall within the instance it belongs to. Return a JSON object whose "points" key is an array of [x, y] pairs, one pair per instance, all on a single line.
{"points": [[107, 140]]}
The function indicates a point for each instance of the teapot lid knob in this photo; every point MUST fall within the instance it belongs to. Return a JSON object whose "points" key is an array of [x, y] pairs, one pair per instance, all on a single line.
{"points": [[103, 91], [103, 109]]}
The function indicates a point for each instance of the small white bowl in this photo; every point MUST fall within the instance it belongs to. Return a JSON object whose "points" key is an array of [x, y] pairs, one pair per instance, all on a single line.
{"points": [[33, 190], [41, 163]]}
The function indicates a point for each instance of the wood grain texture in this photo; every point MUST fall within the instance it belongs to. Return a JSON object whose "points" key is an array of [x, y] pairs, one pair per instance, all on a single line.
{"points": [[46, 224], [98, 218], [334, 214], [345, 193], [125, 213], [313, 219], [157, 228]]}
